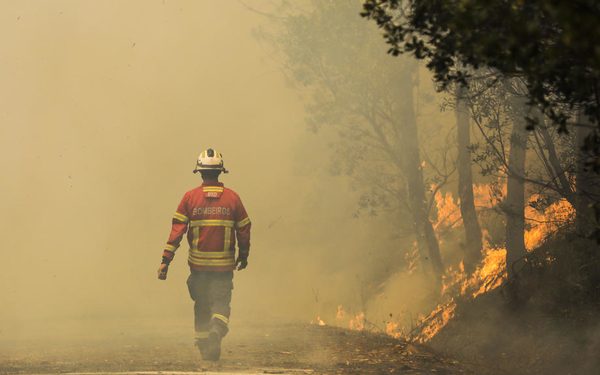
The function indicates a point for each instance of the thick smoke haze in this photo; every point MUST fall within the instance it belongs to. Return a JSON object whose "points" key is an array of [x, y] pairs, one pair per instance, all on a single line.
{"points": [[105, 106], [381, 201]]}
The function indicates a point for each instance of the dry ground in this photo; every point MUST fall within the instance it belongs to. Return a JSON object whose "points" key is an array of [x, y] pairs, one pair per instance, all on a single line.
{"points": [[260, 349]]}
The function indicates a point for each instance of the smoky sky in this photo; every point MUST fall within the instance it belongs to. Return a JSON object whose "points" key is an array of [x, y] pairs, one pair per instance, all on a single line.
{"points": [[104, 107]]}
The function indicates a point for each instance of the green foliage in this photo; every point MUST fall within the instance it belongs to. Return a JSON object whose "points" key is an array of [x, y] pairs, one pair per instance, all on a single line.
{"points": [[553, 45]]}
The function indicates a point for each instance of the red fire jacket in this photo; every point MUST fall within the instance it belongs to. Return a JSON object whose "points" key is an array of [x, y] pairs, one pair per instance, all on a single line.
{"points": [[215, 216]]}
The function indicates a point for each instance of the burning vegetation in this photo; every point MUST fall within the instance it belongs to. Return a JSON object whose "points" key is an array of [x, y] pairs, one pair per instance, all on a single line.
{"points": [[476, 175], [457, 284]]}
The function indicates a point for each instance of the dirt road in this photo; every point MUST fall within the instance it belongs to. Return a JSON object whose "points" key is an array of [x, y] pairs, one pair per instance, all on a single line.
{"points": [[281, 349]]}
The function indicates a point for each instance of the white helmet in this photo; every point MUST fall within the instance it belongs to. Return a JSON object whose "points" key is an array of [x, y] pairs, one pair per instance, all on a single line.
{"points": [[210, 160]]}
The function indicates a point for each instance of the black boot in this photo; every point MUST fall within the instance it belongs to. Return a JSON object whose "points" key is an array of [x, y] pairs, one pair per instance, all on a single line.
{"points": [[213, 346], [202, 345]]}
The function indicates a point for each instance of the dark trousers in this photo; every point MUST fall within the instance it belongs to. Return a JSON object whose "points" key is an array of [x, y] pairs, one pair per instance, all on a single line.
{"points": [[211, 292]]}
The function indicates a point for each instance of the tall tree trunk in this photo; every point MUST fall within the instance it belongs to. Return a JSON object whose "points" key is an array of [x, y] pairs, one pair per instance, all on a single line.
{"points": [[473, 242], [429, 248], [585, 181], [556, 170], [587, 185], [514, 204]]}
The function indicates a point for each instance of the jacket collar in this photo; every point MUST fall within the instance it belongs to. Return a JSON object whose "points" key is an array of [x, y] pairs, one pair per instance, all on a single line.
{"points": [[212, 184]]}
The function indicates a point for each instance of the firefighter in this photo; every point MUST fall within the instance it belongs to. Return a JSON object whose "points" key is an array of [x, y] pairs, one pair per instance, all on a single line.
{"points": [[213, 217]]}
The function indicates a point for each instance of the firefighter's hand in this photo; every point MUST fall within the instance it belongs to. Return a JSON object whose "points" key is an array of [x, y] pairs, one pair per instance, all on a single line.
{"points": [[241, 263], [162, 271]]}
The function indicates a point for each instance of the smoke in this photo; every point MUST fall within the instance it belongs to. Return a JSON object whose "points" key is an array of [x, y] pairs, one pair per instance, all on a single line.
{"points": [[106, 105], [105, 108]]}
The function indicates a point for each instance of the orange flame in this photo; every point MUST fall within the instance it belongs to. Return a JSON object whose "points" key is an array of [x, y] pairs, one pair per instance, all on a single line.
{"points": [[448, 209], [358, 322], [435, 321], [488, 275], [448, 212], [355, 322], [393, 329], [545, 223], [491, 272]]}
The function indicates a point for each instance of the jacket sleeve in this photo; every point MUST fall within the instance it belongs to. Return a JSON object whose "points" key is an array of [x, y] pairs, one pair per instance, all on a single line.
{"points": [[242, 229], [179, 228]]}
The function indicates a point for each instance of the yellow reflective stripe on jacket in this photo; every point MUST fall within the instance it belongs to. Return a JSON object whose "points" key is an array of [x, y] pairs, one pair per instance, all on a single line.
{"points": [[243, 223], [212, 223], [212, 189], [212, 254], [211, 259], [212, 262], [195, 237], [227, 240], [171, 247], [181, 217], [222, 318]]}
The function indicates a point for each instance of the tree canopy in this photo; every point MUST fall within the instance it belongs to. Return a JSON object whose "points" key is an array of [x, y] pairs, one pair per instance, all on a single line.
{"points": [[551, 44]]}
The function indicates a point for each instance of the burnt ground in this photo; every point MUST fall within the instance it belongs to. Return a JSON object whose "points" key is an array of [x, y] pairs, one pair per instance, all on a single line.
{"points": [[258, 349], [530, 340]]}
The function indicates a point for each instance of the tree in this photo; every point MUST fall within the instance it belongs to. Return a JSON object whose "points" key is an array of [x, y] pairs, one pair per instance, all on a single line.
{"points": [[514, 204], [586, 181], [532, 163], [368, 98], [473, 241], [412, 170], [549, 44]]}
